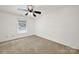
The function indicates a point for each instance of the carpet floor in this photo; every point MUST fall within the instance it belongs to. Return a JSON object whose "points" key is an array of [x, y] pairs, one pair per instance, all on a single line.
{"points": [[34, 45]]}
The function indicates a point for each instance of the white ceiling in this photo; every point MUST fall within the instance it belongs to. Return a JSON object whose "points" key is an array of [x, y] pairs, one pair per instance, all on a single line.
{"points": [[14, 8]]}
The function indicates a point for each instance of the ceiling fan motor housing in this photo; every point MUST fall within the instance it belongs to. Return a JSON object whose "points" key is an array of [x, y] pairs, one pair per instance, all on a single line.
{"points": [[30, 8]]}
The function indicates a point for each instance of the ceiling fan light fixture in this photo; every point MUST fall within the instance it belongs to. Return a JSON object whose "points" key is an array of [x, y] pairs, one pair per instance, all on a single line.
{"points": [[30, 11]]}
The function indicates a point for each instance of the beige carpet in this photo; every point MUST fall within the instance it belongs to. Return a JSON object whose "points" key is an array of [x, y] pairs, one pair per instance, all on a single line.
{"points": [[34, 45]]}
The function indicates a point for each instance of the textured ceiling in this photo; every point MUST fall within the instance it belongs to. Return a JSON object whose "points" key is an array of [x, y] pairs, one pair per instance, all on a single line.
{"points": [[14, 8]]}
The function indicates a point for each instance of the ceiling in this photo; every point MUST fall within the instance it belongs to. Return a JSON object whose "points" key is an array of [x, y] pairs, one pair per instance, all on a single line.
{"points": [[14, 8]]}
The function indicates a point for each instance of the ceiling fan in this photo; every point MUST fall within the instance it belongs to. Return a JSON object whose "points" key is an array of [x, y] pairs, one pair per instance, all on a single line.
{"points": [[30, 10]]}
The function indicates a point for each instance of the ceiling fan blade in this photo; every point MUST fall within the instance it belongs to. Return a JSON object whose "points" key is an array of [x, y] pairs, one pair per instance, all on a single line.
{"points": [[26, 14], [22, 9], [38, 12], [34, 15]]}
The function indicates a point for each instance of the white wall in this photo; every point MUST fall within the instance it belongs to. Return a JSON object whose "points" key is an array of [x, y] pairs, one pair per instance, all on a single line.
{"points": [[8, 26], [60, 25]]}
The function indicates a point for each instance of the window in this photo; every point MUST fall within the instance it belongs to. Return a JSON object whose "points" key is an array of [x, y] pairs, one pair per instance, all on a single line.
{"points": [[22, 25]]}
